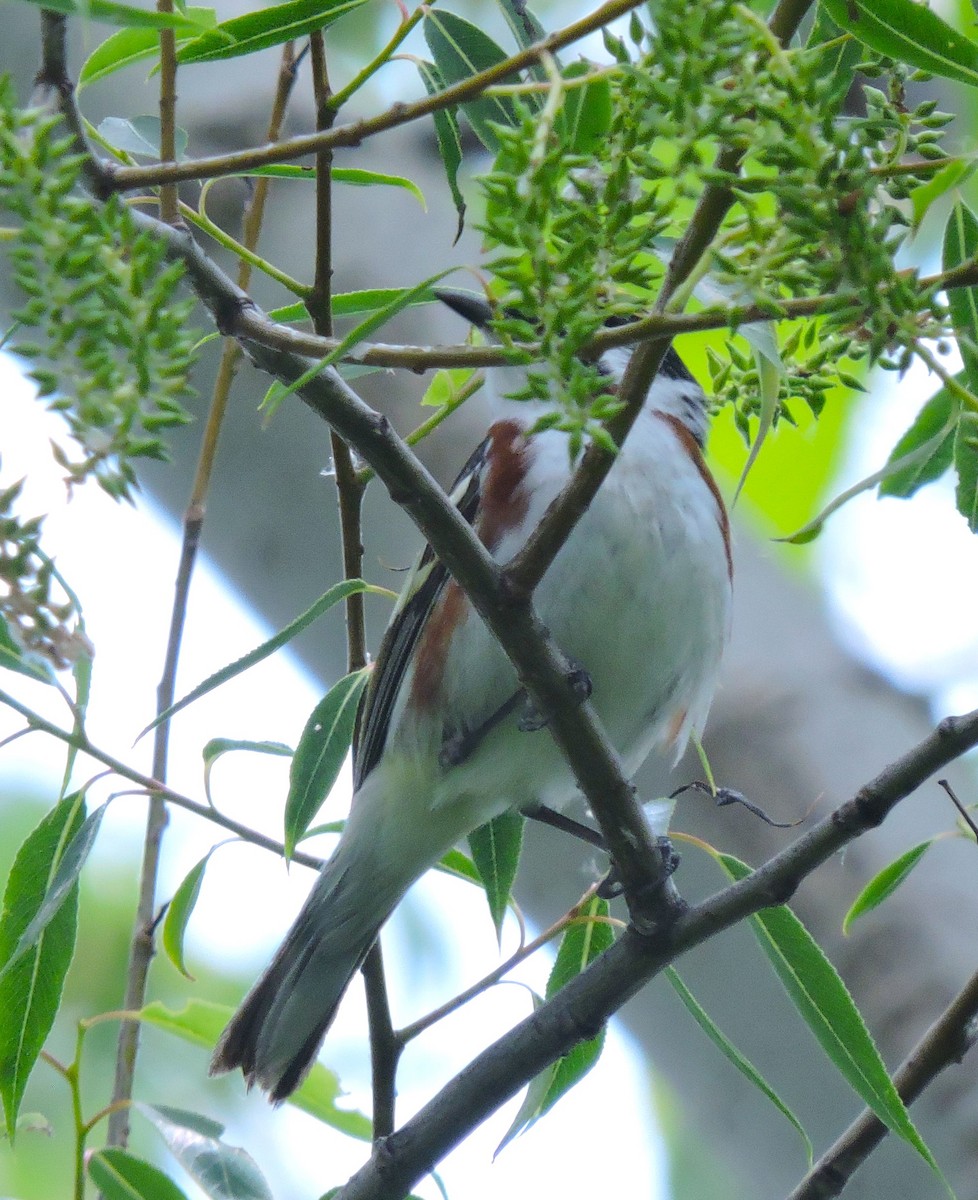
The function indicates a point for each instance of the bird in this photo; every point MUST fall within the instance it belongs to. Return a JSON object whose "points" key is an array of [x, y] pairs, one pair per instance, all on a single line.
{"points": [[638, 597]]}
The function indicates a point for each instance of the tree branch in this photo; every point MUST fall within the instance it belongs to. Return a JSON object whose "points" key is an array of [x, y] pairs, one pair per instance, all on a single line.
{"points": [[591, 998]]}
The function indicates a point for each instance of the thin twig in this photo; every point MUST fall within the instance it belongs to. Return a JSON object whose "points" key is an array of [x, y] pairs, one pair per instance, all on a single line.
{"points": [[154, 787], [120, 179], [384, 1050], [142, 946], [168, 113]]}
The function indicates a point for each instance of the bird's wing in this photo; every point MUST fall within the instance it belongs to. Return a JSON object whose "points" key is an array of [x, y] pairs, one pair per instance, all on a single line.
{"points": [[421, 594]]}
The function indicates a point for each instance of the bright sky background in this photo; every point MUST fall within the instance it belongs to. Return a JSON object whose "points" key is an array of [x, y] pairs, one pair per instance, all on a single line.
{"points": [[121, 562]]}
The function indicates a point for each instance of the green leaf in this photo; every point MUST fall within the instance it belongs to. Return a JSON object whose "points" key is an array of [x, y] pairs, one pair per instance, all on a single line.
{"points": [[580, 946], [966, 465], [339, 591], [885, 883], [320, 754], [909, 32], [129, 46], [461, 50], [585, 118], [449, 138], [584, 940], [216, 748], [941, 182], [13, 658], [62, 883], [264, 28], [921, 453], [933, 427], [770, 371], [31, 991], [179, 912], [961, 246], [836, 54], [820, 996], [527, 30], [121, 1176], [733, 1055], [201, 1023], [524, 26], [351, 304], [278, 391], [223, 1172], [123, 14], [140, 136], [495, 851], [353, 176]]}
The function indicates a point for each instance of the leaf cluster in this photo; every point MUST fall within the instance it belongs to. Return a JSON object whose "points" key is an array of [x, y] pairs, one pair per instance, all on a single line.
{"points": [[37, 618], [108, 335]]}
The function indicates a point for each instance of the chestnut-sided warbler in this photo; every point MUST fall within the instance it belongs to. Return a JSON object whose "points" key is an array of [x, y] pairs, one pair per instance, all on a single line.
{"points": [[639, 596]]}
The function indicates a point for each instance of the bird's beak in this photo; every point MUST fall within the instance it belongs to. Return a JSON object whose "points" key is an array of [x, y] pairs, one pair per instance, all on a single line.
{"points": [[474, 307]]}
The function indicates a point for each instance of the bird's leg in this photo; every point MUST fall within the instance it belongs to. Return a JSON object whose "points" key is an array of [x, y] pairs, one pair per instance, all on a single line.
{"points": [[611, 885], [557, 820], [461, 746], [579, 682], [457, 749]]}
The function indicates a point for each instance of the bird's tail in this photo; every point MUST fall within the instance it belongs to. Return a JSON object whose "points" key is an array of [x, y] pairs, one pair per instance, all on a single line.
{"points": [[276, 1033]]}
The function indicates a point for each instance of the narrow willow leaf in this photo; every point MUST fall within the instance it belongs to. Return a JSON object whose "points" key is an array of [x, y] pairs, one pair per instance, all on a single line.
{"points": [[941, 182], [265, 27], [320, 754], [121, 1176], [201, 1023], [836, 54], [734, 1056], [966, 465], [30, 991], [495, 849], [179, 911], [449, 138], [961, 246], [338, 592], [885, 883], [130, 46], [216, 748], [140, 136], [909, 32], [822, 999], [580, 946], [585, 117], [353, 176], [223, 1172], [922, 453], [933, 427], [527, 30], [278, 391], [529, 1110], [123, 14], [63, 881], [770, 371], [461, 50]]}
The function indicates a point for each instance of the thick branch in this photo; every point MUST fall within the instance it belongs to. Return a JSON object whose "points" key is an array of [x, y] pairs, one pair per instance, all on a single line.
{"points": [[587, 1002]]}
